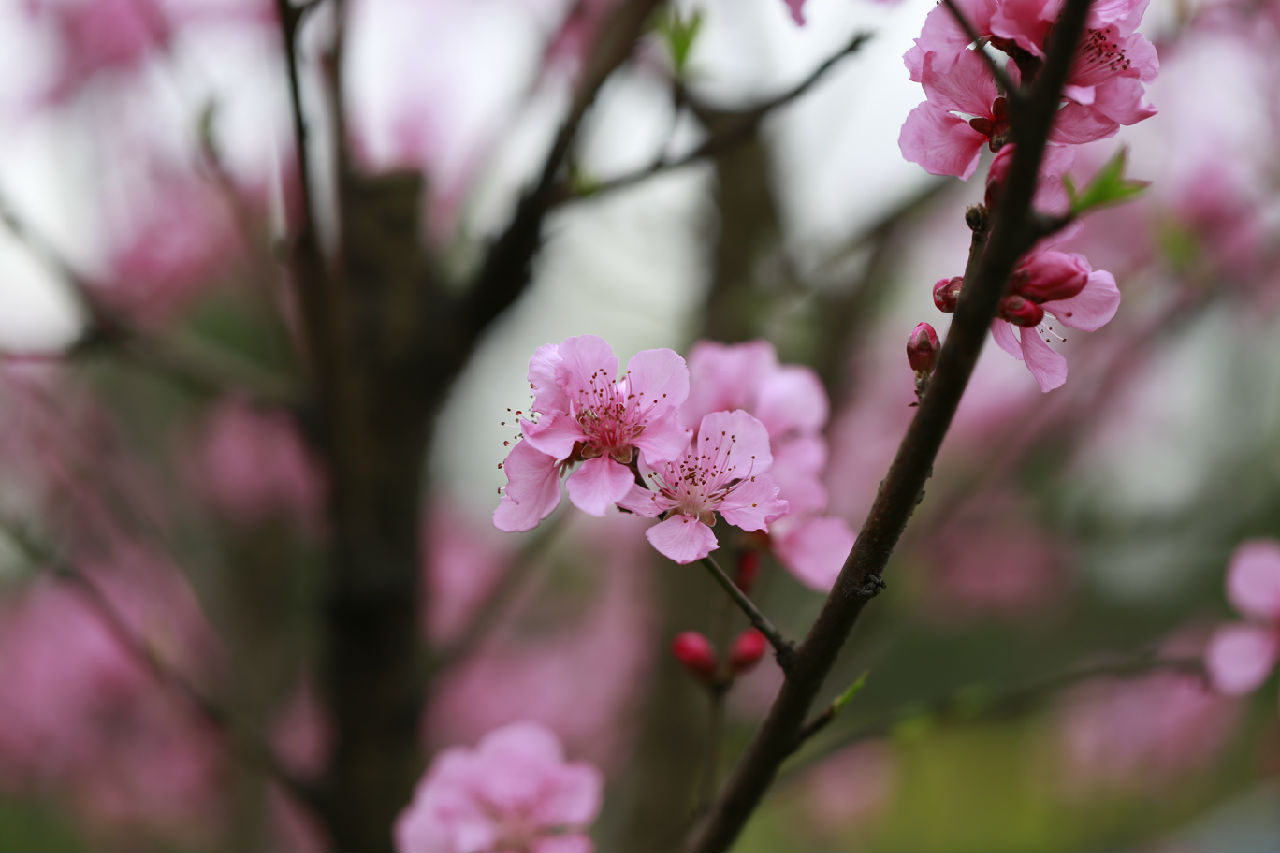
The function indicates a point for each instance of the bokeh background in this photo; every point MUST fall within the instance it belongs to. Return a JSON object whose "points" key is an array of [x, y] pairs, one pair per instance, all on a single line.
{"points": [[1084, 530]]}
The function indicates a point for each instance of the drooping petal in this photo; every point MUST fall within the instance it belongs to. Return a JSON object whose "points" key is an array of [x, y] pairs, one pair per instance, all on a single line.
{"points": [[1122, 100], [585, 360], [791, 399], [1253, 580], [1047, 365], [944, 144], [658, 377], [554, 435], [1006, 338], [1075, 124], [965, 85], [815, 550], [753, 504], [533, 489], [598, 485], [1240, 657], [734, 443], [544, 373], [663, 439], [1093, 307], [682, 539]]}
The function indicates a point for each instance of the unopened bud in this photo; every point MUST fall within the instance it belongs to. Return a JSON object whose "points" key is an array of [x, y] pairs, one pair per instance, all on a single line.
{"points": [[946, 292], [747, 651], [922, 348], [694, 652], [1020, 311], [748, 569]]}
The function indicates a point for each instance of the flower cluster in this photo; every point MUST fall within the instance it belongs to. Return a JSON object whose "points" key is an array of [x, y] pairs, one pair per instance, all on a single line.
{"points": [[1241, 656], [730, 434]]}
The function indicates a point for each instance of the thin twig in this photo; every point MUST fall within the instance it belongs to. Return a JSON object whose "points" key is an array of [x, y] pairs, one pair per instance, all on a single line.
{"points": [[783, 647], [986, 278], [739, 128]]}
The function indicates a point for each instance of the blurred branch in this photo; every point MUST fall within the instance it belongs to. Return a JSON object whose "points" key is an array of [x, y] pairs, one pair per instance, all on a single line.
{"points": [[977, 702], [248, 747], [737, 125], [992, 256], [781, 645]]}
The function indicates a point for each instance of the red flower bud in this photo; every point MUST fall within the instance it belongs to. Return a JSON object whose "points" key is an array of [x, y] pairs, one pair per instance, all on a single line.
{"points": [[747, 651], [922, 348], [1046, 276], [748, 569], [1020, 311], [694, 652], [946, 292]]}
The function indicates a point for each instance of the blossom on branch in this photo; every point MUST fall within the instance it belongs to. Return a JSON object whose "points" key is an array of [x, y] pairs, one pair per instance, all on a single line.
{"points": [[1242, 655], [514, 792]]}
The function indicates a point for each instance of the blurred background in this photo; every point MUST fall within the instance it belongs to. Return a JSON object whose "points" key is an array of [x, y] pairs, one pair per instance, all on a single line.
{"points": [[1032, 669]]}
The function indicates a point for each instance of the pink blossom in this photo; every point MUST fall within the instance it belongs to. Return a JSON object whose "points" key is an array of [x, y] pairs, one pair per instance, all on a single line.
{"points": [[1242, 655], [514, 792], [963, 111], [102, 35], [725, 472], [583, 413], [796, 8]]}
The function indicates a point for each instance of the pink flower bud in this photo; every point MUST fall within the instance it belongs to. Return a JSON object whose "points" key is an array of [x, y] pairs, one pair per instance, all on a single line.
{"points": [[922, 348], [747, 651], [1020, 311], [946, 292], [748, 569], [694, 652], [1046, 276]]}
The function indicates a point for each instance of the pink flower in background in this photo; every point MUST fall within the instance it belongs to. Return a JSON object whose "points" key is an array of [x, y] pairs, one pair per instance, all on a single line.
{"points": [[850, 787], [514, 793], [101, 35], [792, 404], [796, 8], [725, 471], [582, 412], [1241, 656]]}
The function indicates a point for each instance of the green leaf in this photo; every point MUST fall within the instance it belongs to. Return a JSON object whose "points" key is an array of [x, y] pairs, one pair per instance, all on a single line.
{"points": [[680, 33], [1109, 187], [851, 691]]}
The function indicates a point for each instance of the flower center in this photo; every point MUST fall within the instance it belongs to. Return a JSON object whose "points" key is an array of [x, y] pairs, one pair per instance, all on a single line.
{"points": [[1099, 58]]}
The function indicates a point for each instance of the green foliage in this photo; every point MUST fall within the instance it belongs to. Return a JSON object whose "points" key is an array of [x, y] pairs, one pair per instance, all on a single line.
{"points": [[1109, 187], [680, 32]]}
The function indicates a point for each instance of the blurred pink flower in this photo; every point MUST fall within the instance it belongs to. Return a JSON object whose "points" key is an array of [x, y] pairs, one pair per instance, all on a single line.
{"points": [[513, 793], [725, 472], [585, 413], [850, 787], [253, 466], [96, 36], [796, 8], [1242, 655]]}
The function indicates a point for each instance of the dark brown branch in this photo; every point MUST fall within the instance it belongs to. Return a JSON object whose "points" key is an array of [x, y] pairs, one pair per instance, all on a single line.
{"points": [[783, 647], [739, 125], [986, 277]]}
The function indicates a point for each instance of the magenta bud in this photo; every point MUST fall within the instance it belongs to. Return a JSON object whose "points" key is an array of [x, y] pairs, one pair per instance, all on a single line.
{"points": [[1020, 311], [922, 348], [946, 292], [1046, 276], [747, 651], [694, 652]]}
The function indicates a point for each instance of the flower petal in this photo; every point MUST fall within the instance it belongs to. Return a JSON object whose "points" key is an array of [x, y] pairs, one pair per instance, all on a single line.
{"points": [[533, 488], [555, 434], [791, 399], [584, 361], [645, 502], [571, 796], [1046, 364], [815, 551], [658, 377], [682, 539], [663, 439], [735, 443], [965, 85], [598, 485], [944, 144], [1006, 338], [1240, 657], [1091, 308], [544, 374], [1253, 580], [753, 504]]}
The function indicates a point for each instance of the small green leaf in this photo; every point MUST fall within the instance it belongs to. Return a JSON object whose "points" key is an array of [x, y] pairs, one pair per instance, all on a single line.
{"points": [[1108, 187], [680, 33], [851, 691]]}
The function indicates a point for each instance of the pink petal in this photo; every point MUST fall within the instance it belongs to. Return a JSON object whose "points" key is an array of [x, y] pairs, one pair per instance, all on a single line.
{"points": [[554, 435], [966, 85], [533, 489], [1075, 125], [1047, 365], [645, 502], [1006, 339], [944, 144], [577, 843], [1121, 99], [753, 504], [1253, 580], [571, 797], [598, 485], [1091, 308], [544, 373], [815, 551], [663, 439], [740, 440], [523, 741], [725, 376], [797, 11], [682, 539], [584, 360], [660, 378], [798, 466], [791, 399], [1240, 657]]}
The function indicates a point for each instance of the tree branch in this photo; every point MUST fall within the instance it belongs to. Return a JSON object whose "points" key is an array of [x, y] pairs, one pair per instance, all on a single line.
{"points": [[783, 647], [986, 278]]}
